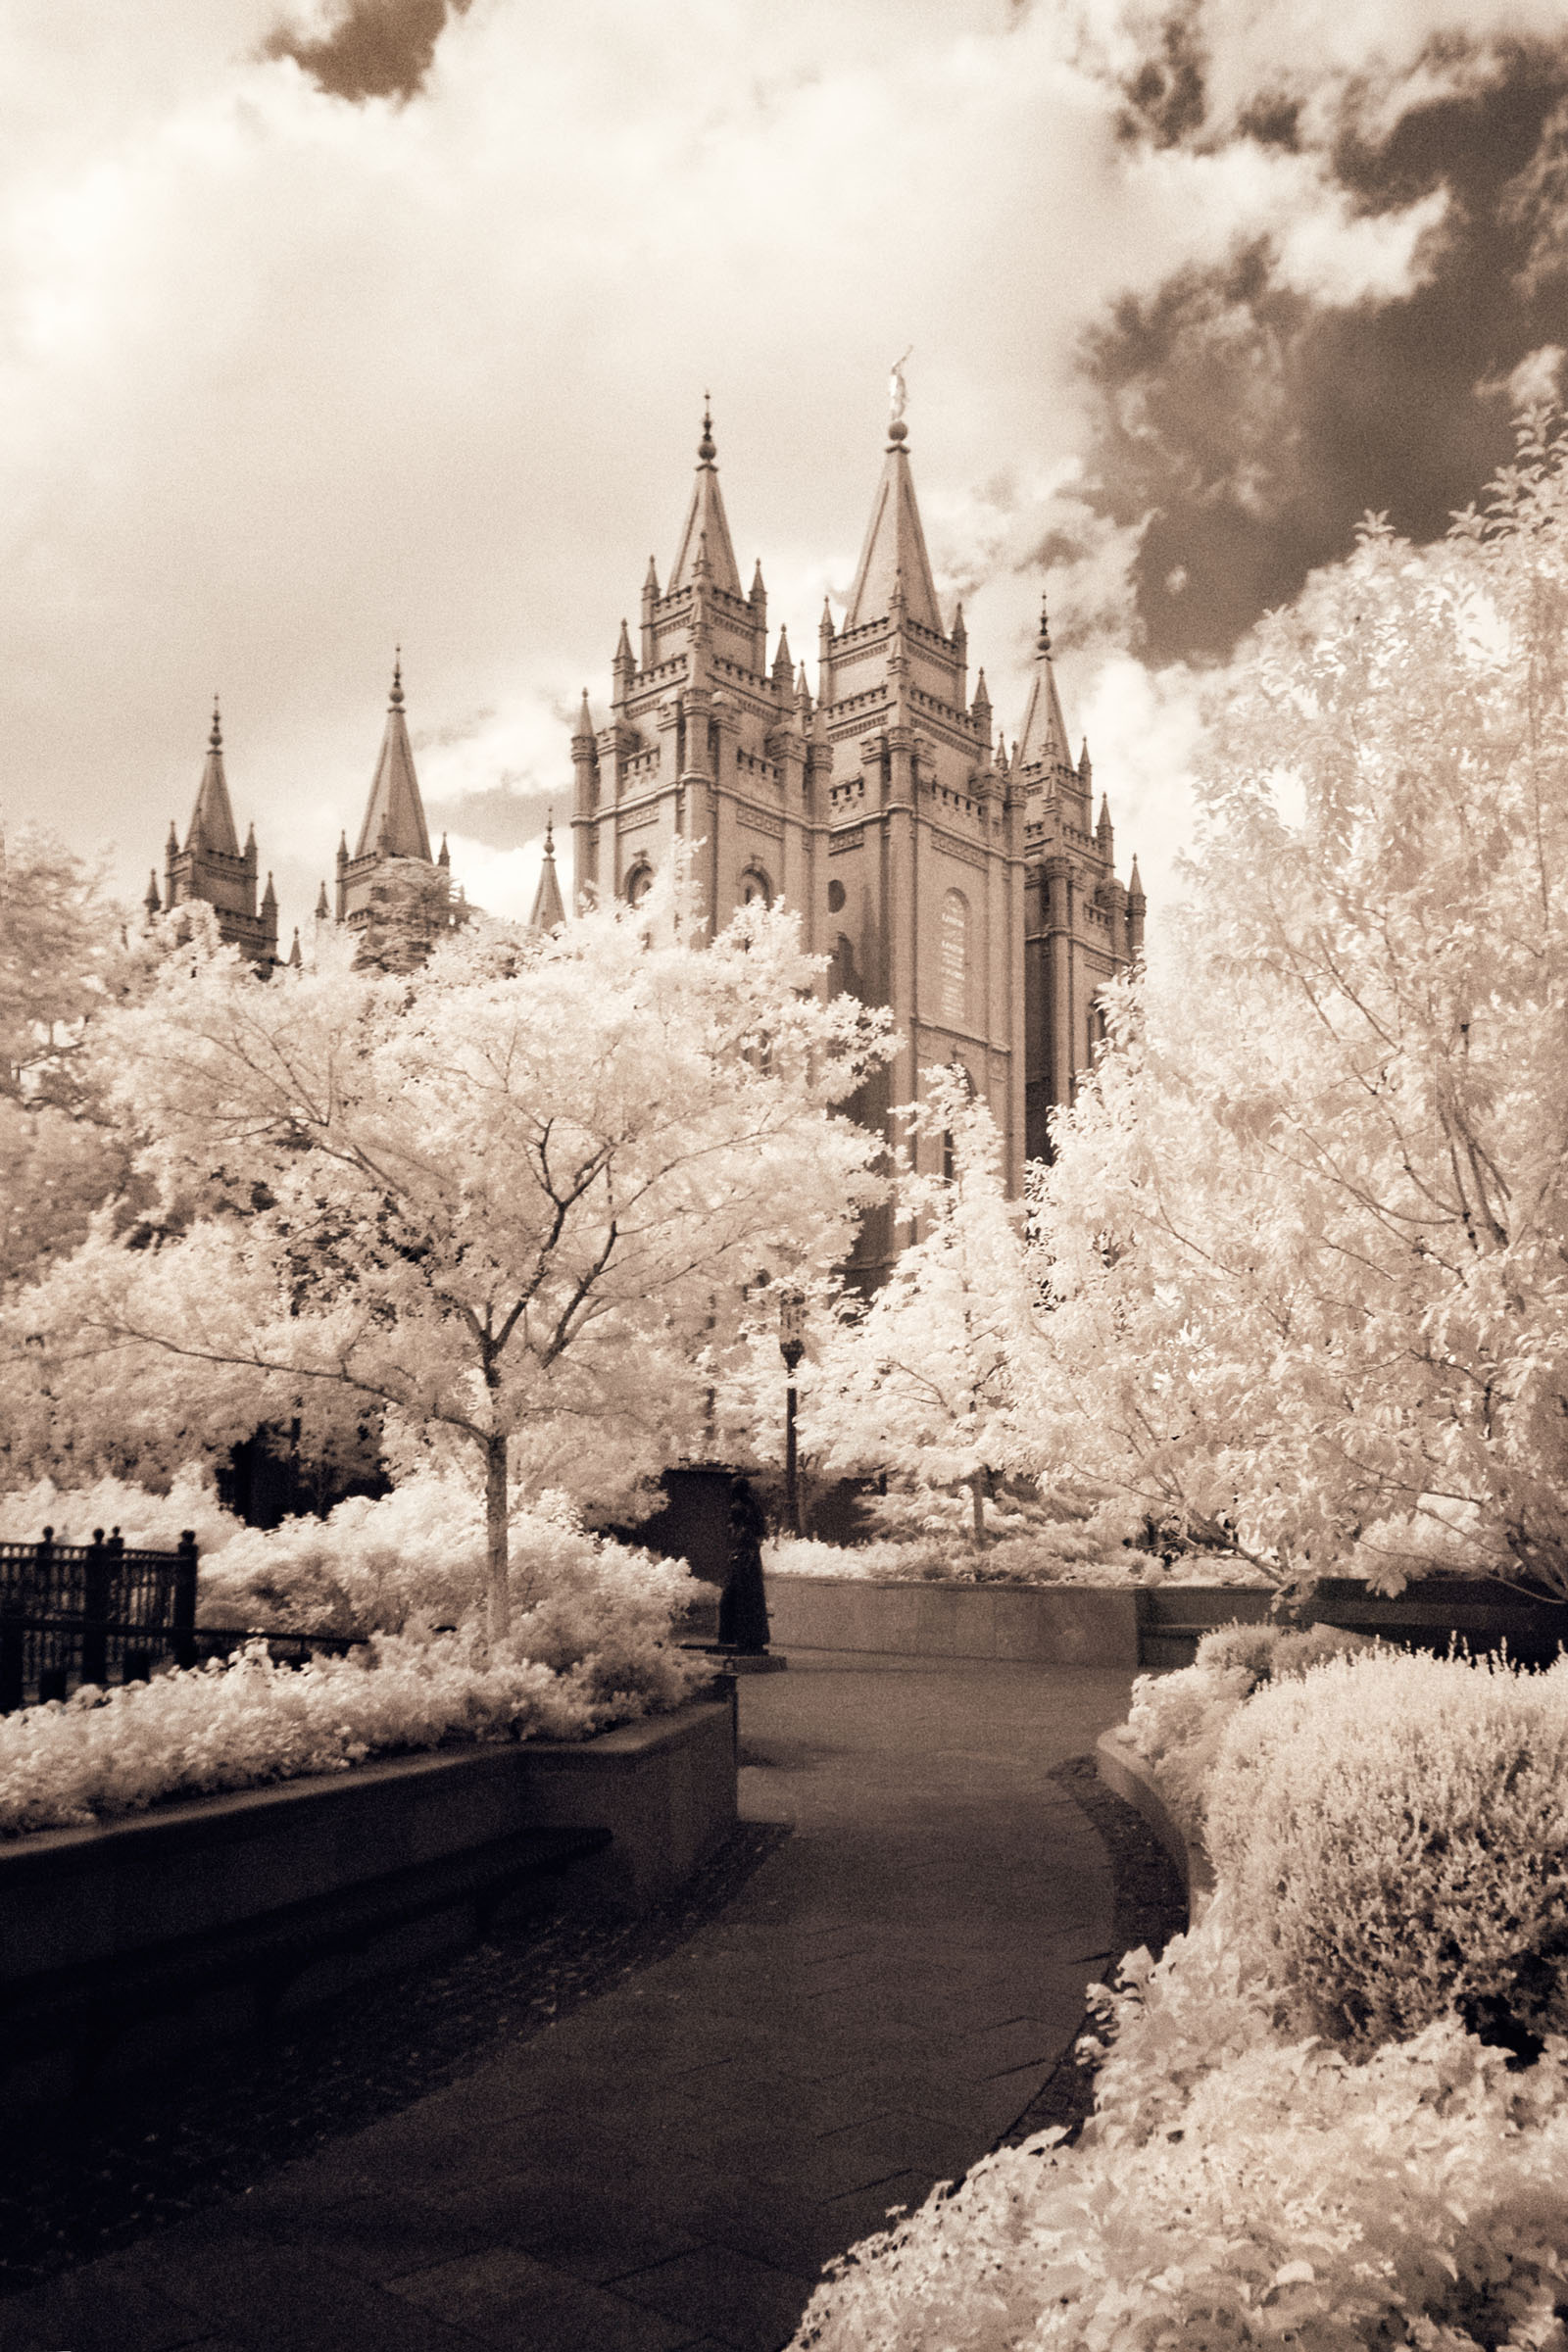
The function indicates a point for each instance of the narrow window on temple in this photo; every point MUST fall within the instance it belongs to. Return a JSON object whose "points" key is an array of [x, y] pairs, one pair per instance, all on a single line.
{"points": [[954, 960]]}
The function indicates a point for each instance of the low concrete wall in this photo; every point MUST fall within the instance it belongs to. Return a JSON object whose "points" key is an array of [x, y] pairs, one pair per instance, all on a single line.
{"points": [[1047, 1625], [1124, 1770], [114, 1893]]}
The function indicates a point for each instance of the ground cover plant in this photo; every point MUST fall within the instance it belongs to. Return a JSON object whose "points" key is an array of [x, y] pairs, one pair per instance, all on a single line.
{"points": [[1281, 2151]]}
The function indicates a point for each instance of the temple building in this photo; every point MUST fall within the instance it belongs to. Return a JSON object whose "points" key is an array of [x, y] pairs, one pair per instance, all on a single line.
{"points": [[969, 890], [213, 866]]}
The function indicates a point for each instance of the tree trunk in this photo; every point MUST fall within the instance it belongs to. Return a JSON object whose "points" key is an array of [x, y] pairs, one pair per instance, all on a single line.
{"points": [[977, 1490], [499, 1611]]}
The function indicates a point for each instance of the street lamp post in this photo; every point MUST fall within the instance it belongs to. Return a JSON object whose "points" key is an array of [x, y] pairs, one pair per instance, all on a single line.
{"points": [[791, 1347]]}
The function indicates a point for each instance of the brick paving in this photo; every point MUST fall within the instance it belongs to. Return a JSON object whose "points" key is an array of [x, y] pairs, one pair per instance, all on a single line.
{"points": [[668, 2168]]}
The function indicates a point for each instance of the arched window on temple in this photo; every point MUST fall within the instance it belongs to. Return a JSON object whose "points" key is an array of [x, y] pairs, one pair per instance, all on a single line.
{"points": [[953, 960], [639, 882], [754, 886], [841, 979]]}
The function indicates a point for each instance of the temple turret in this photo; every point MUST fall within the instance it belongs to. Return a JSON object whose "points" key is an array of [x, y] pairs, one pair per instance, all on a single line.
{"points": [[623, 668], [211, 865], [548, 912], [1042, 749], [707, 526], [392, 877]]}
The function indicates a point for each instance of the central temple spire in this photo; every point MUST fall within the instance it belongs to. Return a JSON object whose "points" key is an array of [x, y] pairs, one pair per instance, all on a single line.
{"points": [[706, 522], [394, 816], [894, 559], [211, 820]]}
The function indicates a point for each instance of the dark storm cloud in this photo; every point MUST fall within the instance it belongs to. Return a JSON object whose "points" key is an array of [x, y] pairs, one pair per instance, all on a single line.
{"points": [[1257, 422], [500, 820], [375, 48]]}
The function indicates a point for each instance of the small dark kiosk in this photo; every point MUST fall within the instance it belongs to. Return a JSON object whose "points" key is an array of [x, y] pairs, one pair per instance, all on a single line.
{"points": [[711, 1517]]}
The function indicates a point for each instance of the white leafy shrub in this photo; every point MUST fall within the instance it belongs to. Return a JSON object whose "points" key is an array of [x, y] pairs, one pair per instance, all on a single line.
{"points": [[231, 1724], [1178, 1720], [1299, 2199], [1393, 1829], [146, 1521], [416, 1556]]}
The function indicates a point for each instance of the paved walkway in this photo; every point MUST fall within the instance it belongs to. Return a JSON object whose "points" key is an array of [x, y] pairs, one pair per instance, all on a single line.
{"points": [[668, 2169]]}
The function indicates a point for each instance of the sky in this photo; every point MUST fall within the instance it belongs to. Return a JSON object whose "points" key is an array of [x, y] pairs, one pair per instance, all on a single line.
{"points": [[335, 327]]}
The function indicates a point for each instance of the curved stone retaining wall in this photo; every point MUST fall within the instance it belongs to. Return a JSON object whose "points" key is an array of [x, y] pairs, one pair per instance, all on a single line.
{"points": [[1124, 1770]]}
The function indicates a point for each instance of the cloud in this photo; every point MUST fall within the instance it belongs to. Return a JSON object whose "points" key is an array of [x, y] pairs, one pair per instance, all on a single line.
{"points": [[287, 377], [1406, 254], [499, 818], [372, 48]]}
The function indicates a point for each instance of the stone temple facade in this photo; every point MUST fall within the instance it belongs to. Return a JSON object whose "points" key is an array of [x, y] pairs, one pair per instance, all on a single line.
{"points": [[969, 889]]}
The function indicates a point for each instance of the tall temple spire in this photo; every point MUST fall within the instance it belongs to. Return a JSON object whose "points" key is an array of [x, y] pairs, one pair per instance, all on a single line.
{"points": [[1043, 738], [894, 553], [705, 522], [211, 820], [548, 910], [394, 816]]}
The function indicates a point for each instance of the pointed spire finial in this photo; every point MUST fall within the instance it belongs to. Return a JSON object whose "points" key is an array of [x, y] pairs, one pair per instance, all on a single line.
{"points": [[294, 955], [550, 832], [323, 910], [1043, 641], [151, 902], [397, 677], [706, 448], [897, 401], [215, 741], [445, 859], [269, 895]]}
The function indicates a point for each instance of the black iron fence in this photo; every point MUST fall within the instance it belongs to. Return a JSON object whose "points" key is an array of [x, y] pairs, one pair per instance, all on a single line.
{"points": [[75, 1613]]}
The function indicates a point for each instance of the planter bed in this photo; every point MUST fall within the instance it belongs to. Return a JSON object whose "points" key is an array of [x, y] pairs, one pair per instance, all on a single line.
{"points": [[127, 1943]]}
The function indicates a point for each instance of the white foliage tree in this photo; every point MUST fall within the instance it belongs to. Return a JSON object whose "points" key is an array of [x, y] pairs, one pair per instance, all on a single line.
{"points": [[931, 1380], [1309, 1223], [519, 1192]]}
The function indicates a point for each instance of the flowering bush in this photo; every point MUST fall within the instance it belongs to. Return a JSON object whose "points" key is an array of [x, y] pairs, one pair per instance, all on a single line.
{"points": [[231, 1724], [1178, 1720], [1394, 1831]]}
